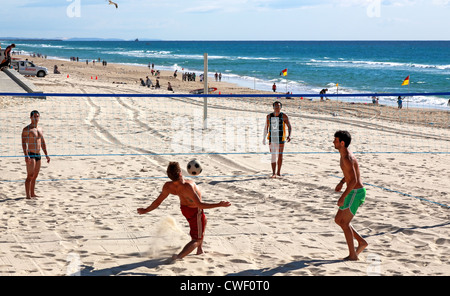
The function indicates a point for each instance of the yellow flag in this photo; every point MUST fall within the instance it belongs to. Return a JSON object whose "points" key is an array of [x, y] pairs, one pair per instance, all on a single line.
{"points": [[406, 81]]}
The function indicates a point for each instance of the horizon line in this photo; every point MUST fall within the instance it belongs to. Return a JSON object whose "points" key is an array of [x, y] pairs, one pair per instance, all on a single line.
{"points": [[212, 40]]}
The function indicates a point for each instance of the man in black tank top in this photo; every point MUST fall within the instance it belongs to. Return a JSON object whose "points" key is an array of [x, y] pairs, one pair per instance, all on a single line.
{"points": [[275, 130]]}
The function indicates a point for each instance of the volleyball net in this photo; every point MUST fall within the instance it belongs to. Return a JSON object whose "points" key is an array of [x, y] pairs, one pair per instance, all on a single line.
{"points": [[102, 125]]}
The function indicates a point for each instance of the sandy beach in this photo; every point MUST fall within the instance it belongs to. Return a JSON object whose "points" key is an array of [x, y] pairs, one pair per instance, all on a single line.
{"points": [[109, 157]]}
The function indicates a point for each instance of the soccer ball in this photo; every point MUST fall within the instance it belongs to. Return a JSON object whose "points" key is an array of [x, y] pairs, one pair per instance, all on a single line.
{"points": [[194, 168]]}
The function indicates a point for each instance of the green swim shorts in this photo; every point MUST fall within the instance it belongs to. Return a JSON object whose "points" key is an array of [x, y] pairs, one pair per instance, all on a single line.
{"points": [[354, 200]]}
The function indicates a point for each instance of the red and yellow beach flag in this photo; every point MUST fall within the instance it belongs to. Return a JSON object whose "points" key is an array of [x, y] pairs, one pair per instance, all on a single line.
{"points": [[406, 81], [284, 72]]}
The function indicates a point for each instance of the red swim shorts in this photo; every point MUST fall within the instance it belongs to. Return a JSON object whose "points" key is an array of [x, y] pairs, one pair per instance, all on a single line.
{"points": [[197, 221]]}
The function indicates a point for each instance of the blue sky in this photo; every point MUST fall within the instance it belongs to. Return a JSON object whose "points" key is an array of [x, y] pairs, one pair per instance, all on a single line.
{"points": [[228, 19]]}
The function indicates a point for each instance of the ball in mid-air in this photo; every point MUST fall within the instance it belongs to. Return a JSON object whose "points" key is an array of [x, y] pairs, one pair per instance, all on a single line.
{"points": [[194, 168]]}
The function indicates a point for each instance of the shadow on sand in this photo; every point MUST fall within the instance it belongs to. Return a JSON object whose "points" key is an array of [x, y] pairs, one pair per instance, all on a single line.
{"points": [[125, 269], [292, 266]]}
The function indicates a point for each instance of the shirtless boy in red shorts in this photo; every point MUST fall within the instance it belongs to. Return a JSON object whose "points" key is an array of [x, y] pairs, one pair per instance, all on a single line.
{"points": [[191, 207]]}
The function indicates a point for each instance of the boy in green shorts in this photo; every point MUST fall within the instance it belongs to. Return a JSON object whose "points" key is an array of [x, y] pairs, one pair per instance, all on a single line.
{"points": [[353, 196]]}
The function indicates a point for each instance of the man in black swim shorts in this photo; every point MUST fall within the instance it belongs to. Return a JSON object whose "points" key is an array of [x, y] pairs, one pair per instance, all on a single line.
{"points": [[32, 141]]}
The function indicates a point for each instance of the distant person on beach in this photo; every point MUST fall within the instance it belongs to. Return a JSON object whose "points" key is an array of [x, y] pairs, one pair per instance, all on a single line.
{"points": [[7, 60], [142, 82], [353, 196], [32, 142], [448, 104], [323, 92], [275, 130], [148, 82], [157, 84], [400, 102], [274, 87], [192, 207], [375, 100], [169, 87]]}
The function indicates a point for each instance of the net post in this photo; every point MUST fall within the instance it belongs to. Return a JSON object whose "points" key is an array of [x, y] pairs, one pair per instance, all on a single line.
{"points": [[205, 91]]}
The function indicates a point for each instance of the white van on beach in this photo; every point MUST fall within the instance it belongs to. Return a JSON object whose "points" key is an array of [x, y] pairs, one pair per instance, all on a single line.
{"points": [[28, 68], [25, 67]]}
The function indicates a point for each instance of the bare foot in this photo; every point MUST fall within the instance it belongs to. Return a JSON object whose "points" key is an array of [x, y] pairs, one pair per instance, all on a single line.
{"points": [[348, 258], [273, 176], [361, 247], [172, 259]]}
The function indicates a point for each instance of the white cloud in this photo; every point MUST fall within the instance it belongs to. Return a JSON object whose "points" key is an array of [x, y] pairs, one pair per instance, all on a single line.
{"points": [[203, 9], [441, 2]]}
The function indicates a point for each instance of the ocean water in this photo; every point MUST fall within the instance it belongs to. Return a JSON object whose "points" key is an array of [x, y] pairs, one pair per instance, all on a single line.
{"points": [[357, 66]]}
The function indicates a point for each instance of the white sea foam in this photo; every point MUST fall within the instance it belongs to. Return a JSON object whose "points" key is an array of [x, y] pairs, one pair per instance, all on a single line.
{"points": [[374, 64], [172, 55]]}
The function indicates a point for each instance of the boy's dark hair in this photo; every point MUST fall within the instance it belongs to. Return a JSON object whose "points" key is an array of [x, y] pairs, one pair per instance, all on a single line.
{"points": [[343, 136], [173, 171], [34, 112], [277, 102]]}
